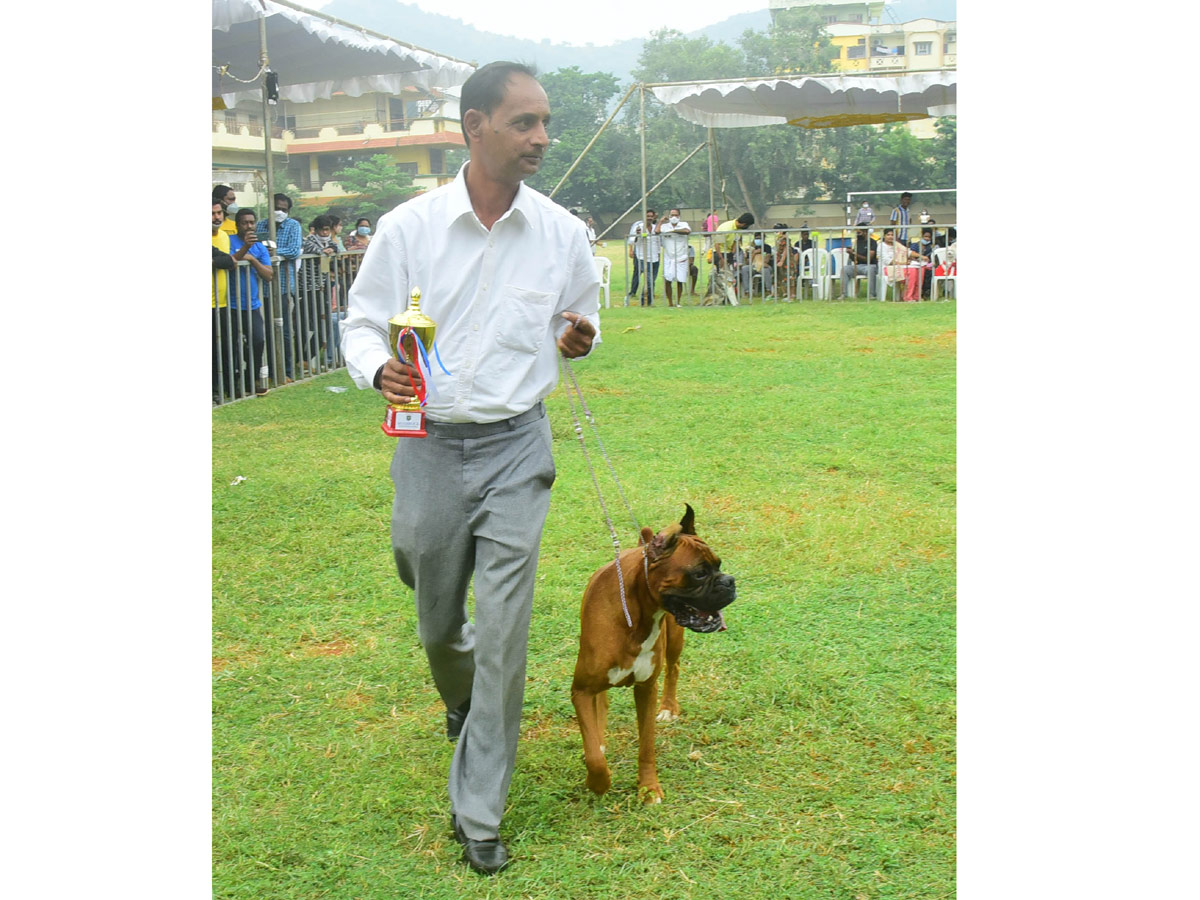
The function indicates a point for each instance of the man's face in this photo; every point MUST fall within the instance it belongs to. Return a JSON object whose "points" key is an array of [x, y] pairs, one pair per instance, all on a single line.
{"points": [[904, 201], [512, 139], [324, 231], [245, 225], [675, 213], [218, 216], [229, 199], [651, 216], [283, 205], [887, 237]]}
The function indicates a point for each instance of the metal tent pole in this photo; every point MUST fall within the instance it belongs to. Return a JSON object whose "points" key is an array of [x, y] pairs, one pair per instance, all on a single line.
{"points": [[274, 315], [647, 288]]}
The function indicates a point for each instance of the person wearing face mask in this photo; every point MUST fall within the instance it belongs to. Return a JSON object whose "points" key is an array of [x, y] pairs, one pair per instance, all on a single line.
{"points": [[922, 255], [315, 281], [224, 195], [361, 237], [674, 232], [288, 247]]}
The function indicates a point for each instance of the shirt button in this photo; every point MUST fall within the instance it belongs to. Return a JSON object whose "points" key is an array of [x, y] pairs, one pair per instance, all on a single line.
{"points": [[475, 327]]}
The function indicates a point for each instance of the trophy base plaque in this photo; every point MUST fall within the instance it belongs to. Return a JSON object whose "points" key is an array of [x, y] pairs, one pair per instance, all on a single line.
{"points": [[400, 422]]}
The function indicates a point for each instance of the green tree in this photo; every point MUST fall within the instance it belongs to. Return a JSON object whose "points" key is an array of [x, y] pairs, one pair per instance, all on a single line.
{"points": [[897, 160], [579, 104], [945, 152], [378, 183]]}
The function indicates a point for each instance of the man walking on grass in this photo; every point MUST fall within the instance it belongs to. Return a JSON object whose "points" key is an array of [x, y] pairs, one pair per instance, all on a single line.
{"points": [[508, 277]]}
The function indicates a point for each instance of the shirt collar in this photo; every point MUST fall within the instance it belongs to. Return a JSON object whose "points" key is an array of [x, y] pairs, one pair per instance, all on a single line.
{"points": [[460, 200]]}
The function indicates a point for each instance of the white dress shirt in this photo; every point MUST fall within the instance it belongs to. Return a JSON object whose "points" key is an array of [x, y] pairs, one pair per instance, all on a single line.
{"points": [[496, 297], [649, 244]]}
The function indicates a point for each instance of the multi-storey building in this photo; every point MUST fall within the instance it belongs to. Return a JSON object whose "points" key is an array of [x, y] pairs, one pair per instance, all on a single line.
{"points": [[866, 43], [311, 142]]}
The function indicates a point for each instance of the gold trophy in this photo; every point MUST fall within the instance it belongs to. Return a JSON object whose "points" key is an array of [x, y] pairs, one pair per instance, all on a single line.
{"points": [[404, 331]]}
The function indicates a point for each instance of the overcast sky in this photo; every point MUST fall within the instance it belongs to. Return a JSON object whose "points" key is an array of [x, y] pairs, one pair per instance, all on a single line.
{"points": [[581, 23]]}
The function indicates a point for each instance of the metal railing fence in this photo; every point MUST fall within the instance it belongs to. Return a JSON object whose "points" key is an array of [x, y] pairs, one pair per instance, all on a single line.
{"points": [[292, 334], [768, 264]]}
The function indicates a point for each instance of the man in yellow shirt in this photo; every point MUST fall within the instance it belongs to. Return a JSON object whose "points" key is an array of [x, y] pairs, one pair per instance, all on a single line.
{"points": [[221, 326], [224, 195], [727, 241]]}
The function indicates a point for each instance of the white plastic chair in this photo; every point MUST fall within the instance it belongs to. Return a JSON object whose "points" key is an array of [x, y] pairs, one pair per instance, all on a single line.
{"points": [[604, 270], [939, 259], [893, 277], [841, 258], [817, 266]]}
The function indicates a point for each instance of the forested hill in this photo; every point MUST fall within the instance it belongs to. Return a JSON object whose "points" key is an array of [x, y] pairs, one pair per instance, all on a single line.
{"points": [[446, 34]]}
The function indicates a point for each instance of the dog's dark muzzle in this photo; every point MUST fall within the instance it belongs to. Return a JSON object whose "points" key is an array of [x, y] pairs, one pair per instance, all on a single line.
{"points": [[701, 610]]}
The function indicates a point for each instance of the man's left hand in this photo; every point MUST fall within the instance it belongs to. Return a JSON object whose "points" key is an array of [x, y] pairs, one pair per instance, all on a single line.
{"points": [[576, 341]]}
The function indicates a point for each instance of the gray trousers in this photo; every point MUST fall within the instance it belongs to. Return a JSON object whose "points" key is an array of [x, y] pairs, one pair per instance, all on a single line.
{"points": [[472, 500]]}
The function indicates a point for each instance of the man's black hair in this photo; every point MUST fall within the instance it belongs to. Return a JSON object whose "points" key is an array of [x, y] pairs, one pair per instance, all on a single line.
{"points": [[485, 89], [286, 199], [244, 211], [906, 194], [780, 226], [321, 222], [746, 219], [219, 192]]}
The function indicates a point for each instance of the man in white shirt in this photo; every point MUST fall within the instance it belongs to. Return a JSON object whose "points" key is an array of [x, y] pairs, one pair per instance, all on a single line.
{"points": [[644, 250], [674, 233], [508, 277]]}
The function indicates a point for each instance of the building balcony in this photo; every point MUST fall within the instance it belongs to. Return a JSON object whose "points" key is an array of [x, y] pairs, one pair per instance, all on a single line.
{"points": [[949, 60], [887, 63], [246, 137]]}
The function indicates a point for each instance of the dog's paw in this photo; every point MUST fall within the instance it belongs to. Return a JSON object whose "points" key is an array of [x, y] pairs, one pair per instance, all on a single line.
{"points": [[667, 715], [650, 794], [599, 781]]}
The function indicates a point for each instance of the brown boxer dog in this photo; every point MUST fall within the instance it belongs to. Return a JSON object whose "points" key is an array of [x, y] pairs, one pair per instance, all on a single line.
{"points": [[673, 581]]}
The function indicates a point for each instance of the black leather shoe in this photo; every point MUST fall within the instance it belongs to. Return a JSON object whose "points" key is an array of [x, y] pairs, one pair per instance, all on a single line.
{"points": [[455, 719], [488, 857]]}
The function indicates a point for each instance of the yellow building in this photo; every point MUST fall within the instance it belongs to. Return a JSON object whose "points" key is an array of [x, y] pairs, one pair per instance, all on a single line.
{"points": [[911, 46], [311, 142], [894, 47]]}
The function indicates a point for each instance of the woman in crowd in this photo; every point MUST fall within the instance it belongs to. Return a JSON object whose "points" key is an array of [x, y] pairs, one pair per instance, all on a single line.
{"points": [[361, 236]]}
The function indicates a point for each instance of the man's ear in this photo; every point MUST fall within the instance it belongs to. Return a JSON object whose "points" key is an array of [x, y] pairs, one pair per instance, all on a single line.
{"points": [[472, 123]]}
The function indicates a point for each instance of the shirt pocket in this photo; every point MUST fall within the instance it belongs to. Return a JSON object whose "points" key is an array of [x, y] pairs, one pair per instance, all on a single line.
{"points": [[524, 319]]}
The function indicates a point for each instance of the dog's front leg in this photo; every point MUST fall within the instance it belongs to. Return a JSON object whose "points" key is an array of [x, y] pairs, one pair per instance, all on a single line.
{"points": [[668, 710], [587, 710], [645, 698]]}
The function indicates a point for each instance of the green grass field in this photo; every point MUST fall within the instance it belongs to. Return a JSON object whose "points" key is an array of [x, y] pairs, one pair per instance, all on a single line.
{"points": [[816, 754]]}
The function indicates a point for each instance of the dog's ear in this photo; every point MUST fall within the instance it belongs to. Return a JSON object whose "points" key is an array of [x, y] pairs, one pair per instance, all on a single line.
{"points": [[663, 542], [688, 522], [647, 535]]}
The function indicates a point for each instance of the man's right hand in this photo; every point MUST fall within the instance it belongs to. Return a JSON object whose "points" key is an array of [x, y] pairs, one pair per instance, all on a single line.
{"points": [[397, 380]]}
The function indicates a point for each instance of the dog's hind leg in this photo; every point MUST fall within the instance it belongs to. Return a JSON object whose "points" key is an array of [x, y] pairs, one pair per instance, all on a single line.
{"points": [[587, 708], [645, 697], [669, 709]]}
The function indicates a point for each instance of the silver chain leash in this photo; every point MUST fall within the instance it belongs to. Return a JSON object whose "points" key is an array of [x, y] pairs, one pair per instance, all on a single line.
{"points": [[616, 541]]}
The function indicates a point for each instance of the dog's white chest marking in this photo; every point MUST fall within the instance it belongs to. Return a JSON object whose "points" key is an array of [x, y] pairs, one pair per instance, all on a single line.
{"points": [[643, 663]]}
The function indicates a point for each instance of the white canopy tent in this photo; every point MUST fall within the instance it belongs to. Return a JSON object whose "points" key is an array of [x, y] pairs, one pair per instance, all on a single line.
{"points": [[311, 56], [807, 101], [814, 101], [315, 55]]}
